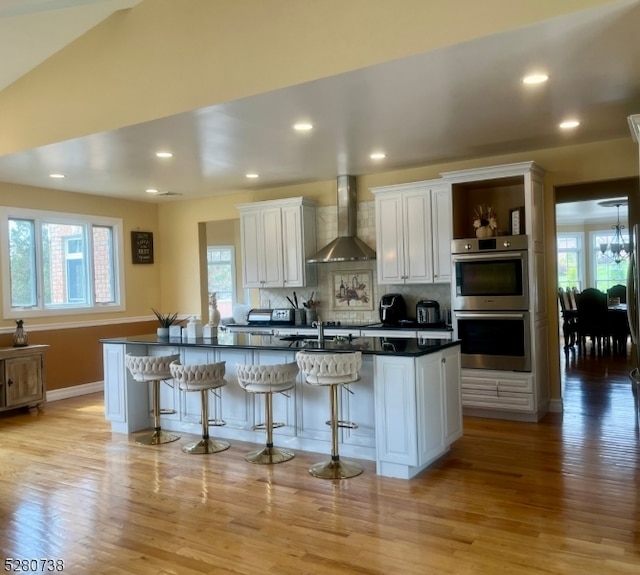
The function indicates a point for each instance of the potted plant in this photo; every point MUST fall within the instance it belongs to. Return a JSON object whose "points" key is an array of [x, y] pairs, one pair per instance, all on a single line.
{"points": [[166, 321]]}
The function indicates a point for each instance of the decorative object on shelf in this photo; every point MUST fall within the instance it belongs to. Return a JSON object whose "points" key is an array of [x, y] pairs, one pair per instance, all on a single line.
{"points": [[166, 321], [142, 247], [20, 337], [211, 329], [352, 290], [517, 221], [616, 249], [484, 221]]}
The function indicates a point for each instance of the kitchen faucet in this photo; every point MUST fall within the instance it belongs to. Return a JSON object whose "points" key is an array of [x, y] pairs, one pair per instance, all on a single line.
{"points": [[318, 323]]}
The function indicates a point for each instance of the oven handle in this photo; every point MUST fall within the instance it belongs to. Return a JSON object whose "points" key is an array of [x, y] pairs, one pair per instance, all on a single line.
{"points": [[488, 315], [485, 256]]}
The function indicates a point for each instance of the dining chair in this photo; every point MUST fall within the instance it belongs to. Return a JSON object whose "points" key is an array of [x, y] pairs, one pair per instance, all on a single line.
{"points": [[569, 326], [593, 321], [619, 292]]}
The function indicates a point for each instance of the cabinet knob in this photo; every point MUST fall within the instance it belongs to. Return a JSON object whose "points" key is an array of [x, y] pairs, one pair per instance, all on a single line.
{"points": [[444, 360], [9, 381]]}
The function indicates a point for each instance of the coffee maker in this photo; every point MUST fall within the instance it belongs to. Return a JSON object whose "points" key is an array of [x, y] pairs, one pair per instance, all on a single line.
{"points": [[392, 309]]}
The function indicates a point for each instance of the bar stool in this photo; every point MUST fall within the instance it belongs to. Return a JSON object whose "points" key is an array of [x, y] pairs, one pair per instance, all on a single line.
{"points": [[268, 379], [145, 368], [332, 369], [202, 378]]}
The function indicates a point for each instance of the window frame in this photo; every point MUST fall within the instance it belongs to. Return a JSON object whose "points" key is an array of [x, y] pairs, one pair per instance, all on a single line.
{"points": [[87, 222], [582, 256], [594, 251], [232, 263]]}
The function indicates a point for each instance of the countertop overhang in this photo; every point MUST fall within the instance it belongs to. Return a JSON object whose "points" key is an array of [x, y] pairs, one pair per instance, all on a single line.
{"points": [[367, 345]]}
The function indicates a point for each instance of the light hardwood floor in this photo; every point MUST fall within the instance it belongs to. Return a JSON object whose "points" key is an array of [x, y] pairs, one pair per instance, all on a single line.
{"points": [[560, 496]]}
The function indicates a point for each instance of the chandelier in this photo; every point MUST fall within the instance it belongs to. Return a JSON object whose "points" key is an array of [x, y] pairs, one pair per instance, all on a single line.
{"points": [[616, 249]]}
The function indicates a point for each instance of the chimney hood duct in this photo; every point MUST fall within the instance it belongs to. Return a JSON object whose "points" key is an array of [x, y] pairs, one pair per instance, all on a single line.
{"points": [[346, 247]]}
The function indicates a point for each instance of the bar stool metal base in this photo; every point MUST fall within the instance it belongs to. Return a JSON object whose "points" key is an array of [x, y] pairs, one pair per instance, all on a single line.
{"points": [[335, 469], [206, 446], [156, 438], [269, 455]]}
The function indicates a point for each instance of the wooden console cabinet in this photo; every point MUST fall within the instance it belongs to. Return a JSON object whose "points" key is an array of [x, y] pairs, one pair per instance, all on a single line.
{"points": [[22, 377]]}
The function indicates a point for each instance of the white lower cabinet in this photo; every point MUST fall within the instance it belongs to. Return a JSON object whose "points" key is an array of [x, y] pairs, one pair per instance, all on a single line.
{"points": [[501, 391], [418, 410], [407, 409]]}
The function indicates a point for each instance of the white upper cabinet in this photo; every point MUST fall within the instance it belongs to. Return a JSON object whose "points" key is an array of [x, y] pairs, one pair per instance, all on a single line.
{"points": [[276, 238], [413, 233]]}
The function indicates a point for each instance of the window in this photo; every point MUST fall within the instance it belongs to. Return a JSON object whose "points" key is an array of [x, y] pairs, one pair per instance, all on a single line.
{"points": [[222, 277], [606, 272], [570, 260], [56, 263]]}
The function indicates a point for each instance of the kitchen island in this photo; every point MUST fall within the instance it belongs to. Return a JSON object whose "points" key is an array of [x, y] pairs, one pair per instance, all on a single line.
{"points": [[406, 404]]}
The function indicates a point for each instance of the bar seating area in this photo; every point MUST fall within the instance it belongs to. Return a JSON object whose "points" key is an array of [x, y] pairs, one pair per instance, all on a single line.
{"points": [[594, 317]]}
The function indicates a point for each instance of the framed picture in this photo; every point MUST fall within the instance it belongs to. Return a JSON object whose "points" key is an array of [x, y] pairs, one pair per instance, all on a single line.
{"points": [[142, 247], [352, 290], [517, 221]]}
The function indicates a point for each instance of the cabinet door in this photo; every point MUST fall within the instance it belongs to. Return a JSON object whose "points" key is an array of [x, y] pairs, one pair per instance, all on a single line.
{"points": [[418, 255], [252, 247], [292, 247], [389, 239], [450, 373], [272, 274], [357, 406], [442, 233], [23, 380]]}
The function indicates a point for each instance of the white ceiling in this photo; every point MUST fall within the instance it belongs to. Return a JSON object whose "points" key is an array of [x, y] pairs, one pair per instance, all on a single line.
{"points": [[464, 101], [590, 212]]}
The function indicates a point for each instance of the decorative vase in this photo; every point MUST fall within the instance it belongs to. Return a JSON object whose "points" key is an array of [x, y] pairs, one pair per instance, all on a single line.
{"points": [[484, 232], [163, 332], [214, 314], [20, 338]]}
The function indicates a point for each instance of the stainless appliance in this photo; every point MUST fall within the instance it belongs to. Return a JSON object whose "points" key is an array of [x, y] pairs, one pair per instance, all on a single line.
{"points": [[427, 312], [347, 247], [495, 340], [491, 273], [283, 316], [392, 309]]}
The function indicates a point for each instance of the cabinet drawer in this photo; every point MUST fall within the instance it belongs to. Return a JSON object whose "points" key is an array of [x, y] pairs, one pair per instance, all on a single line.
{"points": [[491, 400], [503, 384]]}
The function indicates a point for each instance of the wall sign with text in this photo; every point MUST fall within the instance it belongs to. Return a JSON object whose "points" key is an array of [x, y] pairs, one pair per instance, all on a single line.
{"points": [[142, 247]]}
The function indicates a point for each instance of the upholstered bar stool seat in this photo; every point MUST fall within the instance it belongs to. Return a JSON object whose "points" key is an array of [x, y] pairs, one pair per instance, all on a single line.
{"points": [[332, 369], [145, 368], [202, 378], [268, 379]]}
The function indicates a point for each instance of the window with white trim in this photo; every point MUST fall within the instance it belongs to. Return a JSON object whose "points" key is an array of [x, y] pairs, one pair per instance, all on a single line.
{"points": [[55, 263], [221, 272], [570, 253]]}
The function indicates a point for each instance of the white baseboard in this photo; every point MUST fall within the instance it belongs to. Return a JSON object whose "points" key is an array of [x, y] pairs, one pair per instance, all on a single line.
{"points": [[75, 390], [555, 405]]}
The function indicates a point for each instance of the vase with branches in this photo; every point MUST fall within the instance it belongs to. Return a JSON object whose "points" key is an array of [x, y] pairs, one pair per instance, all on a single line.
{"points": [[166, 320]]}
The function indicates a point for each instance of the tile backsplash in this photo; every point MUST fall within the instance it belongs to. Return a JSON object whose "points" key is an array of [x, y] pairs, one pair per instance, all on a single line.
{"points": [[326, 220]]}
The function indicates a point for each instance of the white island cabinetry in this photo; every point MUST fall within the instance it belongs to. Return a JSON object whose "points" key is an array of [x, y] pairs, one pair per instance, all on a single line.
{"points": [[406, 408], [418, 410]]}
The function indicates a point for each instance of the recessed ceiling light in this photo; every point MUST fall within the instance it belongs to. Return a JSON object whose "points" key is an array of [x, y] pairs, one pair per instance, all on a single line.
{"points": [[303, 126], [252, 175], [151, 191], [378, 156], [535, 79], [56, 175], [568, 124], [164, 154]]}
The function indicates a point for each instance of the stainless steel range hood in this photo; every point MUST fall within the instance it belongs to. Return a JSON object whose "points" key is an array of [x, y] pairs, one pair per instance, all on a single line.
{"points": [[346, 247]]}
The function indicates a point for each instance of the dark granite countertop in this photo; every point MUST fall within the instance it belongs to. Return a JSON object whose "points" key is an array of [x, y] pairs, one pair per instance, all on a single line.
{"points": [[367, 345]]}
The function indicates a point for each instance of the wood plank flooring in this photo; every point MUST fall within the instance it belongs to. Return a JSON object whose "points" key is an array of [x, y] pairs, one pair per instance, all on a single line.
{"points": [[559, 496]]}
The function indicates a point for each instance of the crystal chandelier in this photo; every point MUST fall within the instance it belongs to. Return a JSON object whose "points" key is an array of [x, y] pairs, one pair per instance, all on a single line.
{"points": [[616, 249]]}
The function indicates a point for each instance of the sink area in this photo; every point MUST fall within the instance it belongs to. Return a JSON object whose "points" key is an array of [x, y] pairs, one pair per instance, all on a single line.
{"points": [[314, 338]]}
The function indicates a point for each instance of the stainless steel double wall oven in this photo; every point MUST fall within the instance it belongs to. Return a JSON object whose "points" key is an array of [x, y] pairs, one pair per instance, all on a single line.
{"points": [[491, 302]]}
